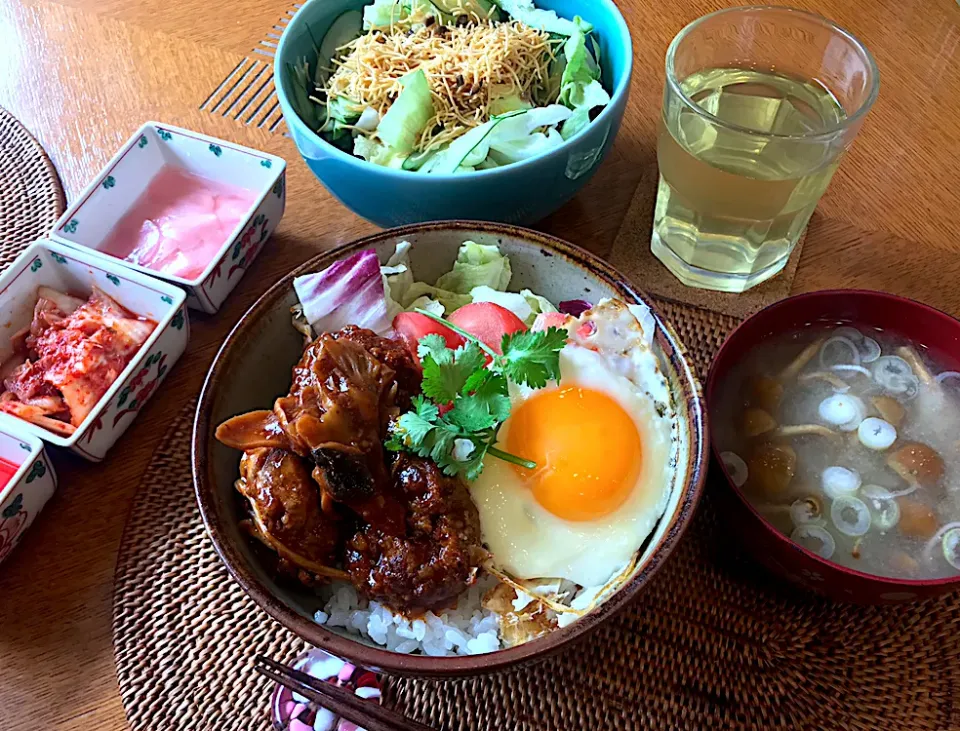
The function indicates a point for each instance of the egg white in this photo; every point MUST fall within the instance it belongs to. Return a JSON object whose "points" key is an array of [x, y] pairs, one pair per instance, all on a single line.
{"points": [[525, 539]]}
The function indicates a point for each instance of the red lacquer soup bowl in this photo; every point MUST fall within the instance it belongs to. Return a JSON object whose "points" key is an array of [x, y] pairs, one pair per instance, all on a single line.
{"points": [[921, 324]]}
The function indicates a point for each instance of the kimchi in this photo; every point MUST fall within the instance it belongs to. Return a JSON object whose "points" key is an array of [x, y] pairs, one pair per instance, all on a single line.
{"points": [[72, 352]]}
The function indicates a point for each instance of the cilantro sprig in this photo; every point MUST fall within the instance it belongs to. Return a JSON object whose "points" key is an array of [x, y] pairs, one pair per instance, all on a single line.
{"points": [[464, 402]]}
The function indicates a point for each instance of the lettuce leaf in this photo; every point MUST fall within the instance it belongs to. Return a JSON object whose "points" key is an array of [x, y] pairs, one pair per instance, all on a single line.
{"points": [[477, 265], [432, 306], [450, 300], [526, 12], [517, 138], [468, 150], [537, 303], [526, 305], [403, 293], [378, 154], [397, 278], [342, 113], [590, 96], [349, 292], [580, 87], [387, 13]]}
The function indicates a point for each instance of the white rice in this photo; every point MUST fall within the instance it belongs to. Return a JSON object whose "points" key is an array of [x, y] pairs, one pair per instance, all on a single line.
{"points": [[469, 629]]}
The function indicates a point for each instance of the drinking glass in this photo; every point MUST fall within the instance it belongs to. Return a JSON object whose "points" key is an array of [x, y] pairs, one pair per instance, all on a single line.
{"points": [[759, 106]]}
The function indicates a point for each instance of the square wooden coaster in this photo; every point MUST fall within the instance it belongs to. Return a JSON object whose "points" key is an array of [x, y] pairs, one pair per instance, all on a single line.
{"points": [[631, 255]]}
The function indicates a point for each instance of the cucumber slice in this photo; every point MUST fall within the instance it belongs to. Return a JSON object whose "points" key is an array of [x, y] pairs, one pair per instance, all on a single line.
{"points": [[549, 88], [463, 149], [418, 159], [298, 76], [408, 115], [344, 29]]}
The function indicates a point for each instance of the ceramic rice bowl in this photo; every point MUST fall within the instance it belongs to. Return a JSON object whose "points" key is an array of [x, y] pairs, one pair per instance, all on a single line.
{"points": [[253, 368]]}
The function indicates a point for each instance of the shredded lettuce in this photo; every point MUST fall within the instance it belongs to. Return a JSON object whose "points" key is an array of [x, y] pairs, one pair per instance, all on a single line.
{"points": [[403, 293], [580, 87], [468, 150], [537, 303], [387, 13], [397, 278], [573, 82], [526, 12], [342, 113], [378, 154], [430, 305], [358, 291], [508, 138], [349, 292], [450, 300], [477, 265], [517, 138], [526, 305]]}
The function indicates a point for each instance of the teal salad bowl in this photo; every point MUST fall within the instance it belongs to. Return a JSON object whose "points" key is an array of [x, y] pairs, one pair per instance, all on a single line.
{"points": [[519, 193]]}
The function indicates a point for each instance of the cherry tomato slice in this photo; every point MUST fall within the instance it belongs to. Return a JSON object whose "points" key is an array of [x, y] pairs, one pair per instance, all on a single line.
{"points": [[487, 322], [412, 326]]}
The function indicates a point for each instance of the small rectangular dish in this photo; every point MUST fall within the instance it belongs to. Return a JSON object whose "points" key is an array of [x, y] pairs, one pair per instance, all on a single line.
{"points": [[24, 494], [115, 200], [75, 273]]}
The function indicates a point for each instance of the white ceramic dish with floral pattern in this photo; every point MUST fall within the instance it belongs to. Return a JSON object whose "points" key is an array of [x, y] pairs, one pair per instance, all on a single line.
{"points": [[76, 272], [89, 221], [30, 487]]}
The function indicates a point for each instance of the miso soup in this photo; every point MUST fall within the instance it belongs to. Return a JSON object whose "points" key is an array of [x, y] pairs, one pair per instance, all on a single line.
{"points": [[848, 441]]}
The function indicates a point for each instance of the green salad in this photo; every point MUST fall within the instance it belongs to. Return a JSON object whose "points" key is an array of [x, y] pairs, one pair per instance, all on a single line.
{"points": [[450, 86]]}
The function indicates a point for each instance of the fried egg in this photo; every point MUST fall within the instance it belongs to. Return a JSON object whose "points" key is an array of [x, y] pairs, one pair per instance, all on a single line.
{"points": [[602, 440]]}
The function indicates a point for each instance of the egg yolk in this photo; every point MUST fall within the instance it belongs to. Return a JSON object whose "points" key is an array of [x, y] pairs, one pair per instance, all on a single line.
{"points": [[587, 449]]}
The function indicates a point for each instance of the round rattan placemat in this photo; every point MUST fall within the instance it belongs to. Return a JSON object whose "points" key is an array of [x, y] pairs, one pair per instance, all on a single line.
{"points": [[31, 199], [713, 643]]}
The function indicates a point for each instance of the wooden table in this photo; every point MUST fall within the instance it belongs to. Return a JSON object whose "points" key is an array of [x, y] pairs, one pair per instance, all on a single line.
{"points": [[83, 74]]}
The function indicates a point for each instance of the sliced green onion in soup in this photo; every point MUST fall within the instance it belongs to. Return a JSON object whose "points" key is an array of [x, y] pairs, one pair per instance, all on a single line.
{"points": [[939, 539], [814, 538], [869, 350], [806, 511], [884, 510], [839, 350], [876, 434], [951, 547], [850, 333], [843, 411], [850, 516], [838, 481], [736, 467], [896, 376]]}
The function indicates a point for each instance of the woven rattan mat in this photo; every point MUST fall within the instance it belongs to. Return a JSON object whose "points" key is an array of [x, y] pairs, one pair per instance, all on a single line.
{"points": [[31, 199], [631, 255], [713, 643]]}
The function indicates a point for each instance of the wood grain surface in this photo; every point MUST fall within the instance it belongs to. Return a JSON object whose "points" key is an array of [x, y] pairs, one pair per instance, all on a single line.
{"points": [[83, 74]]}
